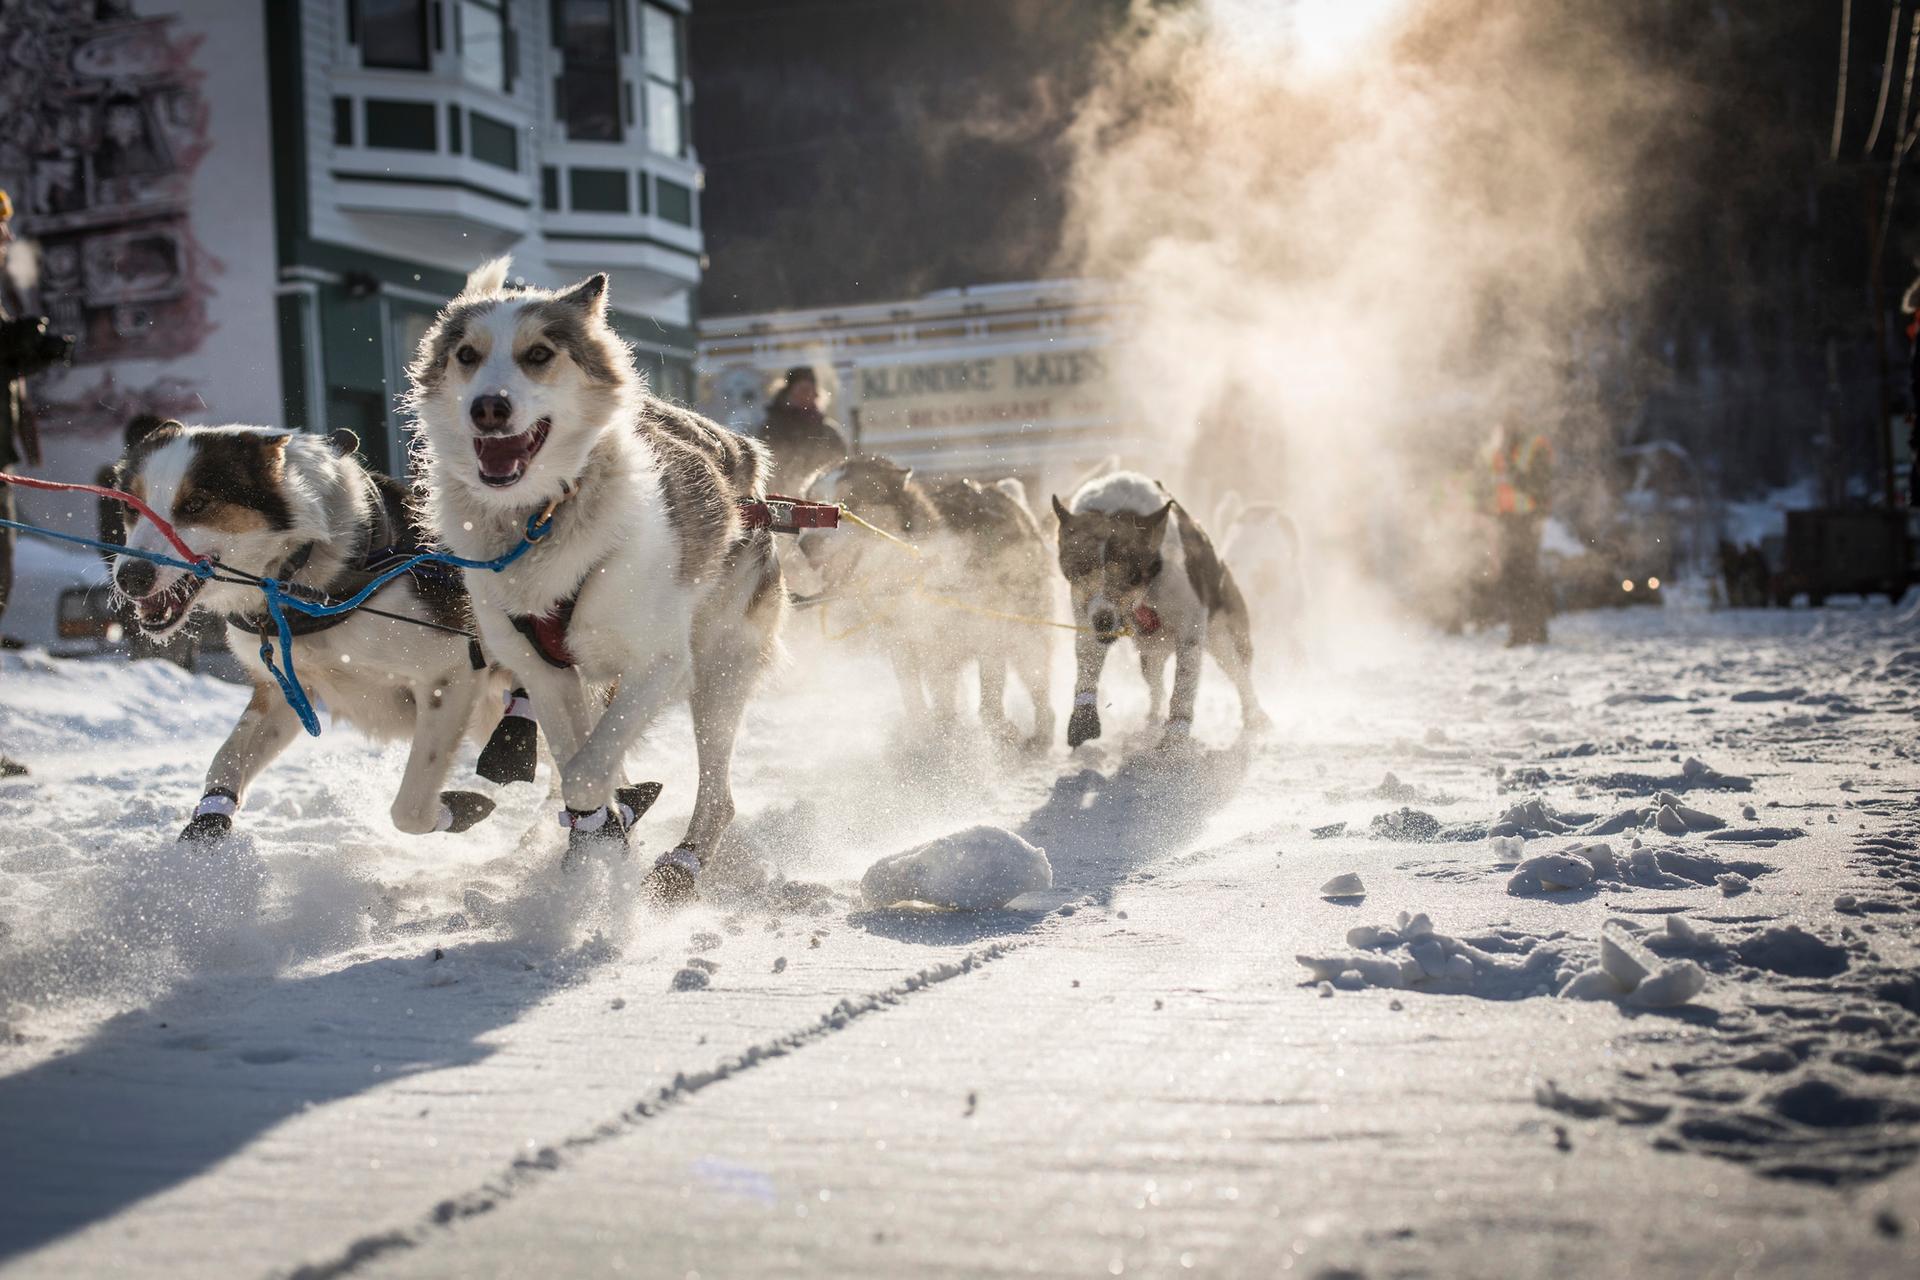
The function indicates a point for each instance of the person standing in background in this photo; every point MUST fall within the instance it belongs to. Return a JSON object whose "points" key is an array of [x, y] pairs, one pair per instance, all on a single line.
{"points": [[1522, 478], [19, 442], [803, 438]]}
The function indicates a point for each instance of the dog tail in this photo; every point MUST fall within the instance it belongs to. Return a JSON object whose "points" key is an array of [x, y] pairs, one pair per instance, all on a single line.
{"points": [[1013, 488], [1226, 511]]}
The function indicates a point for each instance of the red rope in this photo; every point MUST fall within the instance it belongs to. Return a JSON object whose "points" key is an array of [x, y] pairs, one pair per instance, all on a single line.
{"points": [[56, 486]]}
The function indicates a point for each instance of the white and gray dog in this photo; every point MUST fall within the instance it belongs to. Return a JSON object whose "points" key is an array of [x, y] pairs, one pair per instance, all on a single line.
{"points": [[1134, 559], [302, 508], [648, 583]]}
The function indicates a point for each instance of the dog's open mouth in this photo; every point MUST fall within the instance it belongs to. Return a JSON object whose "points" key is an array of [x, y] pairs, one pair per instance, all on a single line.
{"points": [[504, 459], [162, 610]]}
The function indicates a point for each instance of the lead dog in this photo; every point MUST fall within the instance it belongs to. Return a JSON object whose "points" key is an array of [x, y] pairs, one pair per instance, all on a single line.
{"points": [[646, 577], [977, 550], [1134, 558], [302, 508]]}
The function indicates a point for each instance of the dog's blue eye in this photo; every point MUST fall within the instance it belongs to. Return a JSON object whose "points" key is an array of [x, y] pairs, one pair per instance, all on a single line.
{"points": [[538, 355], [467, 355]]}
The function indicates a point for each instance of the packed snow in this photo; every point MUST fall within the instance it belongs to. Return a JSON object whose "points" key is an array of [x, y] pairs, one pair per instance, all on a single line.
{"points": [[1572, 925]]}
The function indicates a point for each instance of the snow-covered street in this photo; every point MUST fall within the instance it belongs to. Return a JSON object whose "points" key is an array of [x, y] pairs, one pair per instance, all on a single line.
{"points": [[330, 1049]]}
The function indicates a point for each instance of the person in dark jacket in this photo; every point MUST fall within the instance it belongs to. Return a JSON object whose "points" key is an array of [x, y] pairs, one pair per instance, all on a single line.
{"points": [[803, 438], [19, 442], [1522, 479]]}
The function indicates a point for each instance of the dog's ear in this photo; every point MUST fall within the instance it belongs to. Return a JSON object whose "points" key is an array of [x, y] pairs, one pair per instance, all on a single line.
{"points": [[487, 278], [1157, 522], [343, 441], [1060, 512], [590, 295]]}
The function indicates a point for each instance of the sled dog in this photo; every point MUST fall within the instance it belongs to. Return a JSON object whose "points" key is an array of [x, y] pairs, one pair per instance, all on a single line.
{"points": [[1262, 541], [1134, 559], [303, 509], [646, 582], [979, 551]]}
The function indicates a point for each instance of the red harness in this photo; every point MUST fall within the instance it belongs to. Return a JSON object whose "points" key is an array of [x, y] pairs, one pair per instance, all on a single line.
{"points": [[547, 632], [788, 515]]}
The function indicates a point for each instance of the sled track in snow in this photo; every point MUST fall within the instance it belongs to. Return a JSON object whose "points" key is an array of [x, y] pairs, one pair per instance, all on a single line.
{"points": [[530, 1170]]}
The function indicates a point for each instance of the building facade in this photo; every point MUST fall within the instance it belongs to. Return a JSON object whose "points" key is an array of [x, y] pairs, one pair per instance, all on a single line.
{"points": [[986, 381], [249, 210]]}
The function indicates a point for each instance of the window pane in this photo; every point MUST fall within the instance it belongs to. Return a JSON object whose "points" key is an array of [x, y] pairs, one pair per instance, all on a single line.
{"points": [[402, 126], [676, 201], [598, 190], [590, 84], [663, 117], [393, 33], [660, 39], [494, 141], [483, 44]]}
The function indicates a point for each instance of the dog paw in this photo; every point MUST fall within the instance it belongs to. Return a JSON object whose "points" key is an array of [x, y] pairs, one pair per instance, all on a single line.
{"points": [[1084, 726], [206, 828], [635, 800], [510, 753], [674, 880], [1177, 734], [590, 834], [463, 809]]}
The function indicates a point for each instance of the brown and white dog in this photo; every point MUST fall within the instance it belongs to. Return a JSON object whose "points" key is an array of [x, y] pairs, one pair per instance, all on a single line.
{"points": [[976, 551], [647, 581], [302, 508], [1134, 559]]}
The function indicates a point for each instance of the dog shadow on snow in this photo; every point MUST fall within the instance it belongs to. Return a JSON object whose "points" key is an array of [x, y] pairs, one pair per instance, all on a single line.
{"points": [[1098, 828], [162, 1094]]}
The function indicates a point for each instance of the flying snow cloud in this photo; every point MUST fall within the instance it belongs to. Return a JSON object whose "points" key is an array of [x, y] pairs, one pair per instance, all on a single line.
{"points": [[1359, 233]]}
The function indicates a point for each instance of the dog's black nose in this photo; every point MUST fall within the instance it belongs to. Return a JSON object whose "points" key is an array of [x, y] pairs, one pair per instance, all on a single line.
{"points": [[1103, 622], [136, 577], [491, 413]]}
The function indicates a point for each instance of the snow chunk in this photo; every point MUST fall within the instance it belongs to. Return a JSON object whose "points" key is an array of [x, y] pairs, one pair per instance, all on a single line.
{"points": [[1682, 932], [1550, 873], [1674, 984], [977, 869], [1733, 884], [1345, 885]]}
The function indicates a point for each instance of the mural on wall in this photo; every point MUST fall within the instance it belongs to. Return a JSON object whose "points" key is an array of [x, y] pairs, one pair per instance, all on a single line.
{"points": [[101, 126]]}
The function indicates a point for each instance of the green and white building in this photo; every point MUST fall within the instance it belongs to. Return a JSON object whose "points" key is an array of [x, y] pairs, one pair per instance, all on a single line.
{"points": [[249, 210]]}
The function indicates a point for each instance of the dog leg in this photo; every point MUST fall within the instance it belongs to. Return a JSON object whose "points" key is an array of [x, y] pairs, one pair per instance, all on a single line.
{"points": [[993, 693], [1034, 666], [1153, 669], [589, 775], [265, 728], [1089, 657], [1232, 644], [440, 717], [907, 670], [1189, 652]]}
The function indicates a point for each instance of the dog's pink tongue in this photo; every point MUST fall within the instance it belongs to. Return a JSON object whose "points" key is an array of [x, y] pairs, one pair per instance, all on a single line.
{"points": [[500, 455]]}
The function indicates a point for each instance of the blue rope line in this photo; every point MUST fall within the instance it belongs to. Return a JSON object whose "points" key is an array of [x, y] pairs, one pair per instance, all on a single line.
{"points": [[278, 601], [200, 568]]}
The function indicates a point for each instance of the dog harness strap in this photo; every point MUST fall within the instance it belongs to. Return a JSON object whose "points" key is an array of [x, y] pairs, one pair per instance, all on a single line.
{"points": [[547, 632], [1089, 698], [782, 514], [300, 624]]}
